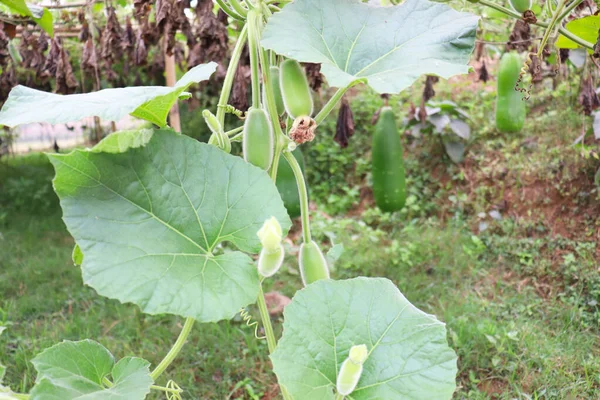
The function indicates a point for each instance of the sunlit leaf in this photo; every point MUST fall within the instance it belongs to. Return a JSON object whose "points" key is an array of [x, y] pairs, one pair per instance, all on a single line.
{"points": [[409, 357], [390, 47], [152, 103]]}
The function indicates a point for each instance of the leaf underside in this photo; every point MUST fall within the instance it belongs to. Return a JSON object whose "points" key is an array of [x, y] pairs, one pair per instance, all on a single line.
{"points": [[390, 47]]}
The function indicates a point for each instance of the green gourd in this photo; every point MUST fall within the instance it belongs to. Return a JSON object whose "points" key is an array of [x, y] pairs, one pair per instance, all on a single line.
{"points": [[275, 84], [295, 90], [286, 184], [313, 265], [389, 185], [258, 141], [520, 5], [510, 107]]}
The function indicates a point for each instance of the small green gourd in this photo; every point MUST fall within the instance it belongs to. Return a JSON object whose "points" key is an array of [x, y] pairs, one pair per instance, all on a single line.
{"points": [[351, 370], [275, 84], [258, 141], [389, 184], [286, 184], [510, 107], [520, 6], [313, 265], [295, 90]]}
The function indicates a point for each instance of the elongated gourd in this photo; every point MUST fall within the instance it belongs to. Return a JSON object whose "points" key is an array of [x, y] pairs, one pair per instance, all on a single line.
{"points": [[510, 107], [275, 84], [295, 90], [286, 184], [520, 5], [258, 142], [389, 186], [313, 265], [351, 370]]}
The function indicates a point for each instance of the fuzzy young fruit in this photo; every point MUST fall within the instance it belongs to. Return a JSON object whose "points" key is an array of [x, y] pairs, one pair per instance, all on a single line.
{"points": [[389, 185], [351, 370], [520, 5], [313, 265], [287, 186], [218, 137], [275, 85], [258, 142], [295, 89], [269, 262], [510, 107]]}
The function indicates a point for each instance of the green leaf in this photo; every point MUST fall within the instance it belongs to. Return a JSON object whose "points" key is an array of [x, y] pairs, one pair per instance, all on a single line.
{"points": [[586, 28], [77, 255], [409, 357], [26, 105], [18, 7], [46, 22], [76, 370], [148, 221], [390, 47], [120, 142]]}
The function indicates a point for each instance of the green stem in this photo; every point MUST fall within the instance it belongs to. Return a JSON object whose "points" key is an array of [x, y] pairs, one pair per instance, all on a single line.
{"points": [[237, 138], [266, 320], [339, 396], [231, 70], [235, 131], [238, 8], [229, 11], [568, 10], [164, 364], [327, 108], [306, 236], [550, 28], [166, 389], [107, 382], [249, 4], [253, 41], [563, 31]]}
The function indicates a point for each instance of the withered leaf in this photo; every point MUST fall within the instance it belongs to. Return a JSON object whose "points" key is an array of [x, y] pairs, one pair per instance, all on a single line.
{"points": [[345, 124]]}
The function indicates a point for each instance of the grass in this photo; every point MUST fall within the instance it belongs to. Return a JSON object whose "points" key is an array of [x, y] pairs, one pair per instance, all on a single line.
{"points": [[520, 298]]}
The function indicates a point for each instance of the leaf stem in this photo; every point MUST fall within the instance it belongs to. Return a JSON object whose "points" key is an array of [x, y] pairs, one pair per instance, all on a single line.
{"points": [[164, 364], [568, 10], [334, 100], [306, 236], [231, 70], [229, 11], [550, 28], [235, 131], [266, 320], [339, 396]]}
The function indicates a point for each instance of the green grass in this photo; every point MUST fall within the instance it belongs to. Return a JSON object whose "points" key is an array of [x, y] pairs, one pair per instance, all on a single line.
{"points": [[520, 299]]}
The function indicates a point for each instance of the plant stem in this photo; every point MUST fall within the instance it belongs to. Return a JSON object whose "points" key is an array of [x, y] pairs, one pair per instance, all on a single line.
{"points": [[238, 8], [164, 364], [306, 236], [266, 320], [229, 11], [253, 43], [339, 396], [235, 131], [550, 28], [568, 10], [327, 108], [231, 70], [563, 31]]}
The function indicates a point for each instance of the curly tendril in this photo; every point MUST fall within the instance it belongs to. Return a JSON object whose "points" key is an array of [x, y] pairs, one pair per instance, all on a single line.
{"points": [[248, 320]]}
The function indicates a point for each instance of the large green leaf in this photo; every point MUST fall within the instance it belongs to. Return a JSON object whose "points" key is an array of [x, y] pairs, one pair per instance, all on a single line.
{"points": [[586, 28], [148, 220], [77, 370], [18, 7], [409, 357], [152, 103], [46, 22], [389, 46]]}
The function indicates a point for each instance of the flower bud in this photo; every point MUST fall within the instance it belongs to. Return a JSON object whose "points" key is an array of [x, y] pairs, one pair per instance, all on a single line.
{"points": [[270, 235], [351, 370]]}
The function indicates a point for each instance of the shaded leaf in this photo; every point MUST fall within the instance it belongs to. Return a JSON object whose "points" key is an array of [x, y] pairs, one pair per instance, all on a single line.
{"points": [[455, 150], [148, 222], [460, 128]]}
